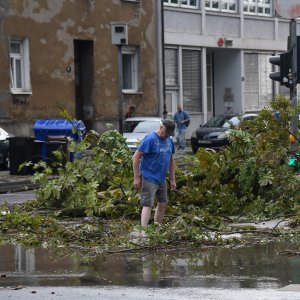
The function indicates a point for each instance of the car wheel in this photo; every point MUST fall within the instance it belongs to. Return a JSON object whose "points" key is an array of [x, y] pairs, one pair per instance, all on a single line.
{"points": [[195, 149]]}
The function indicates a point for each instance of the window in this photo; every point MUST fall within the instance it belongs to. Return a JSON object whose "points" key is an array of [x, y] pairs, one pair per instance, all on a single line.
{"points": [[19, 66], [183, 3], [258, 85], [191, 80], [221, 5], [171, 67], [130, 68], [258, 7]]}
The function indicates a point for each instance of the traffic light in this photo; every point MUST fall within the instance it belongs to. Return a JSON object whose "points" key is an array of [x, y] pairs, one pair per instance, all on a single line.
{"points": [[298, 55], [293, 161], [284, 75]]}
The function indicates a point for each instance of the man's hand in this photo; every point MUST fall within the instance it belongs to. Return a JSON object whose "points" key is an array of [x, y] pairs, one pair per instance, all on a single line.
{"points": [[173, 184], [137, 183]]}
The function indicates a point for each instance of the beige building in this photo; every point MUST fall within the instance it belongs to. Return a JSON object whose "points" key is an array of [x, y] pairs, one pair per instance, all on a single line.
{"points": [[69, 54]]}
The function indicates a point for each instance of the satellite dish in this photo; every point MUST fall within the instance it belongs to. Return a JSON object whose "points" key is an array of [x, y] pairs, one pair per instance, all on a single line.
{"points": [[289, 9]]}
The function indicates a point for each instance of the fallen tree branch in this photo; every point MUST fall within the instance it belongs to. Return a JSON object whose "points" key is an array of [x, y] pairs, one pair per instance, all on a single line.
{"points": [[251, 231]]}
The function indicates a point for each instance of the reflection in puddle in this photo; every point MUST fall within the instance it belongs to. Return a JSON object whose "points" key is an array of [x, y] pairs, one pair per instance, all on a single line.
{"points": [[258, 266], [24, 260]]}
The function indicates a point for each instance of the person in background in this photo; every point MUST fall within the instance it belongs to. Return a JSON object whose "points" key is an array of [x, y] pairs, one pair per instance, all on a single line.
{"points": [[182, 120], [130, 112], [153, 159]]}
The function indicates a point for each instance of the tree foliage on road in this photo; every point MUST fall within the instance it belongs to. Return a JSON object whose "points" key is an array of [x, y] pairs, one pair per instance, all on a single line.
{"points": [[249, 179]]}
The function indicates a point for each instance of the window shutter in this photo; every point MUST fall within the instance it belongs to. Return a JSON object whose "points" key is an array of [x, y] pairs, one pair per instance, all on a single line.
{"points": [[191, 80], [171, 67], [265, 84], [258, 86], [251, 82]]}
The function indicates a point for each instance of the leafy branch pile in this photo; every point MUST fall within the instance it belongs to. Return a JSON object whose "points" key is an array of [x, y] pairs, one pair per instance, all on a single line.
{"points": [[250, 179], [251, 176]]}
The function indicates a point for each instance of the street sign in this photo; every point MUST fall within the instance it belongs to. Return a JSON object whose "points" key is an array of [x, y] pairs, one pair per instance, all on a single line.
{"points": [[289, 9]]}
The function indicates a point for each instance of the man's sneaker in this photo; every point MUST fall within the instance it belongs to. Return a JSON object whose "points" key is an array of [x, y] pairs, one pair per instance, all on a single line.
{"points": [[138, 237], [158, 226]]}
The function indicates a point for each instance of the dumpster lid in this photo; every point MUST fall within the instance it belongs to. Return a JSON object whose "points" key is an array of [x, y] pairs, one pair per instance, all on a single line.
{"points": [[59, 124]]}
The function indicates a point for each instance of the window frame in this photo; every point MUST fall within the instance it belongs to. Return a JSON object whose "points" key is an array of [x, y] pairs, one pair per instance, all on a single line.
{"points": [[220, 5], [256, 5], [24, 72], [180, 4], [134, 72]]}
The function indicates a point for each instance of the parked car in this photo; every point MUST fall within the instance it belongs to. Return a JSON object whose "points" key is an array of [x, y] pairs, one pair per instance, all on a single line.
{"points": [[213, 135], [136, 128], [4, 148]]}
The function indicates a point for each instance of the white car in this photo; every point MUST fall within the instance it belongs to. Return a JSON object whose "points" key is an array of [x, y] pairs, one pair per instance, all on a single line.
{"points": [[4, 148], [136, 128]]}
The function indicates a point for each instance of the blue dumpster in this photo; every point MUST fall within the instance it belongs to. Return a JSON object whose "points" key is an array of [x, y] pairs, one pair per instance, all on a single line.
{"points": [[52, 135], [43, 129]]}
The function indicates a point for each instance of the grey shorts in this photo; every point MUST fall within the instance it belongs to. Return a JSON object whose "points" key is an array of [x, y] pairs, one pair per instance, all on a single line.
{"points": [[150, 190]]}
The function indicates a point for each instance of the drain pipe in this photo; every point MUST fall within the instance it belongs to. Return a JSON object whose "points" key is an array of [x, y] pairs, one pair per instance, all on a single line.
{"points": [[165, 113]]}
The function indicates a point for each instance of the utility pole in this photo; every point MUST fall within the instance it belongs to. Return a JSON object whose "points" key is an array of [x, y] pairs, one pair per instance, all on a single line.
{"points": [[119, 37], [120, 88], [293, 88], [289, 9]]}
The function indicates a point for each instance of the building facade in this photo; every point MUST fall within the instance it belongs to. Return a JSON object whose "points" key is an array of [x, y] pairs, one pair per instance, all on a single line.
{"points": [[217, 55], [71, 55]]}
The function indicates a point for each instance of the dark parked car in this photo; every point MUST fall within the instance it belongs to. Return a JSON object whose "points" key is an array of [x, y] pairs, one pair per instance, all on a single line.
{"points": [[4, 151], [213, 135]]}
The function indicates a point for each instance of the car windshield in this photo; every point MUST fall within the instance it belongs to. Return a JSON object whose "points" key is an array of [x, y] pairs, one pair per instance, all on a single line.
{"points": [[3, 134], [140, 126], [146, 126], [130, 125], [222, 121]]}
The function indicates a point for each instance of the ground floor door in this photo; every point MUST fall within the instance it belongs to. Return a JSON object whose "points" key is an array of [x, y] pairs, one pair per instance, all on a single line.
{"points": [[83, 54], [171, 102]]}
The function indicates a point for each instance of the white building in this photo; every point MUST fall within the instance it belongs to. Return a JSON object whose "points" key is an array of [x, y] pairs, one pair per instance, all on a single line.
{"points": [[217, 55]]}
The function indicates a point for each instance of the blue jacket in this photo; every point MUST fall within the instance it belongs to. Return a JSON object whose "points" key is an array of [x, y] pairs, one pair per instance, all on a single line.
{"points": [[181, 116]]}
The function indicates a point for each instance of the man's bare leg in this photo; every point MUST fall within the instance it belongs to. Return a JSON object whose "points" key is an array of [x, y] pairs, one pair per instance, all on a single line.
{"points": [[145, 215], [159, 212]]}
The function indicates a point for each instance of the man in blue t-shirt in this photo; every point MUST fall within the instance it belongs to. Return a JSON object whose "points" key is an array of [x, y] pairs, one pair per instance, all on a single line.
{"points": [[151, 163], [182, 120]]}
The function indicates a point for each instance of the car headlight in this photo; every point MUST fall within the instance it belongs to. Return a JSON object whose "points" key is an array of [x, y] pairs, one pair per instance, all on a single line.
{"points": [[223, 135]]}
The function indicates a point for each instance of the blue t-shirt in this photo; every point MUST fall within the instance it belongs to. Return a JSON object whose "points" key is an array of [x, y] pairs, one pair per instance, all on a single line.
{"points": [[155, 162], [181, 116]]}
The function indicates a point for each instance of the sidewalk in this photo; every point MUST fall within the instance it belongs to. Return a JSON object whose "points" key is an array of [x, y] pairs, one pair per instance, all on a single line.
{"points": [[14, 183]]}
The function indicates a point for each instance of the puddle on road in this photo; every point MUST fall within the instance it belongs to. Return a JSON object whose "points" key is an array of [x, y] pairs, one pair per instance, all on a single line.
{"points": [[258, 266]]}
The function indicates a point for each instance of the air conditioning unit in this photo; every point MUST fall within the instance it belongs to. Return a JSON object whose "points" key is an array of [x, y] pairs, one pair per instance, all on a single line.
{"points": [[119, 33]]}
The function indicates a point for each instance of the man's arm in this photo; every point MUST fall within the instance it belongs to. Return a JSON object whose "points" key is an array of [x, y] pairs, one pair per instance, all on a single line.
{"points": [[186, 118], [172, 173], [137, 184]]}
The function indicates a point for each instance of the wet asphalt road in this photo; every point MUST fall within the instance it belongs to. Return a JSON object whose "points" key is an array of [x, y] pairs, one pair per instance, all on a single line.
{"points": [[290, 292], [19, 197], [130, 293]]}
